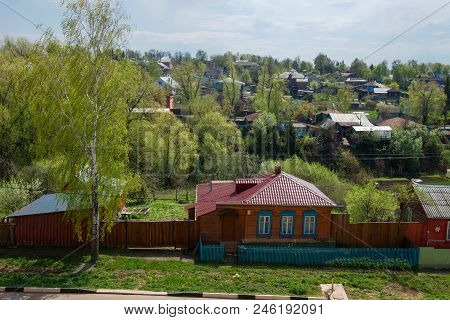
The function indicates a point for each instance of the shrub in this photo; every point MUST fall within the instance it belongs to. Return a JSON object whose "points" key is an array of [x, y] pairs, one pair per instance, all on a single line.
{"points": [[368, 204], [299, 289], [367, 263], [16, 193]]}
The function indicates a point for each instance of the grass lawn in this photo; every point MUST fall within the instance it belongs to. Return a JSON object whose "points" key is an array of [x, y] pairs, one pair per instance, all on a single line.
{"points": [[161, 210], [175, 275]]}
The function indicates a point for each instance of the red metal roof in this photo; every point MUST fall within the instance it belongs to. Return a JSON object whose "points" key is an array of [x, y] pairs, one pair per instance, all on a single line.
{"points": [[273, 189]]}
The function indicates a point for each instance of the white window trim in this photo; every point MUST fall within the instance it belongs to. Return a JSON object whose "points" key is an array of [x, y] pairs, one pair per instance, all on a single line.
{"points": [[265, 221], [289, 225], [311, 222]]}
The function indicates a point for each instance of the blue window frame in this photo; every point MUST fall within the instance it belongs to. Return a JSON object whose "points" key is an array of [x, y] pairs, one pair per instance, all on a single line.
{"points": [[264, 223], [309, 227], [287, 219]]}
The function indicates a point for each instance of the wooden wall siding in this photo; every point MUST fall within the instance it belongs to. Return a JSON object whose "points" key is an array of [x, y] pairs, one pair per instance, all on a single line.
{"points": [[54, 230], [378, 235], [436, 235], [246, 225]]}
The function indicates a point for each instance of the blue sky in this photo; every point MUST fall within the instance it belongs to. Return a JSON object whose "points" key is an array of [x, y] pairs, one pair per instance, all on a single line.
{"points": [[343, 29]]}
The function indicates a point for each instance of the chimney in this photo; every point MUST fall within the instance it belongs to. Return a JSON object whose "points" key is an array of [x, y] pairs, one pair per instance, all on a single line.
{"points": [[210, 185], [277, 169]]}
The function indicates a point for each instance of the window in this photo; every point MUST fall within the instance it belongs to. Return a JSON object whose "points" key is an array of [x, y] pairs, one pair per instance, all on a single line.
{"points": [[448, 230], [410, 214], [264, 223], [287, 224], [309, 224]]}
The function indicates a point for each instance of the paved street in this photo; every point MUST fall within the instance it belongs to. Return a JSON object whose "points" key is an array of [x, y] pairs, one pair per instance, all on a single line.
{"points": [[46, 296]]}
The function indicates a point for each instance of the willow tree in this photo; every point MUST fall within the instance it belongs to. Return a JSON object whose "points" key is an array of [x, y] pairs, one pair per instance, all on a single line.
{"points": [[80, 109]]}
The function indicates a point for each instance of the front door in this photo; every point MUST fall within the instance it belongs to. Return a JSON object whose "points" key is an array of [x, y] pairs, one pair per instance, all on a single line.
{"points": [[228, 227]]}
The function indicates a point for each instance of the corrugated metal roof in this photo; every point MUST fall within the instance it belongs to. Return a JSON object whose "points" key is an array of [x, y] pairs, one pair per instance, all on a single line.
{"points": [[351, 119], [435, 200], [48, 203]]}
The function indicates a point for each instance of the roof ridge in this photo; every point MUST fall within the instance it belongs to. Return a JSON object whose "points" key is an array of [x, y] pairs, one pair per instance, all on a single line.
{"points": [[252, 195], [290, 176]]}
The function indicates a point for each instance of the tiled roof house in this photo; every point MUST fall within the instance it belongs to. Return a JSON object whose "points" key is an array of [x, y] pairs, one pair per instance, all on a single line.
{"points": [[276, 207]]}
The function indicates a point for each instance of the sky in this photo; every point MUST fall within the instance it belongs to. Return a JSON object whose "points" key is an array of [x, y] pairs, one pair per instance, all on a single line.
{"points": [[344, 30]]}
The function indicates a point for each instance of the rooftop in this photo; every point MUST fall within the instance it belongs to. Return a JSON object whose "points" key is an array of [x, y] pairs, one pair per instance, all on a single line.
{"points": [[49, 203], [435, 200], [280, 189]]}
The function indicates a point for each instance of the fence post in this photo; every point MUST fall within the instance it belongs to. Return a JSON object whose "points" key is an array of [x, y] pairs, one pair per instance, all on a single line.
{"points": [[174, 234], [126, 234]]}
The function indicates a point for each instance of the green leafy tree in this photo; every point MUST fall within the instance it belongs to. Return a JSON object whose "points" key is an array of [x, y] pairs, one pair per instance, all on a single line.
{"points": [[218, 143], [201, 55], [344, 97], [359, 68], [17, 133], [349, 167], [264, 136], [323, 64], [403, 74], [368, 204], [407, 146], [163, 151], [80, 109], [16, 193], [269, 93], [246, 77], [189, 76], [231, 86], [380, 71], [426, 102]]}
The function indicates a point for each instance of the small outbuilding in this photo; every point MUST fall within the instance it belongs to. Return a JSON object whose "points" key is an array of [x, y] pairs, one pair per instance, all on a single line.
{"points": [[433, 209]]}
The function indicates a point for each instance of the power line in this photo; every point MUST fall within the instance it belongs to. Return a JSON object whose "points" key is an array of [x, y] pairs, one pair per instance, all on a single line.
{"points": [[406, 30], [37, 26]]}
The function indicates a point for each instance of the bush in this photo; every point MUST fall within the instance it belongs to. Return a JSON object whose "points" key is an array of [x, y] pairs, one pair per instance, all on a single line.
{"points": [[367, 263], [446, 157], [368, 204], [17, 193], [299, 289]]}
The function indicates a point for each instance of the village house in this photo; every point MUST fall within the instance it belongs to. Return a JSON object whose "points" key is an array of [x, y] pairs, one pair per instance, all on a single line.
{"points": [[167, 62], [274, 208], [343, 125], [432, 208]]}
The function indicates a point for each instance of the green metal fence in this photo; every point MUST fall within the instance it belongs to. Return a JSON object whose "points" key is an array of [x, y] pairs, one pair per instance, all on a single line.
{"points": [[322, 256], [211, 252]]}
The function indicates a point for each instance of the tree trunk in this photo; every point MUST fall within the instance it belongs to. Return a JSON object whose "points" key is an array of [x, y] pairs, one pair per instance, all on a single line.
{"points": [[95, 233], [95, 243]]}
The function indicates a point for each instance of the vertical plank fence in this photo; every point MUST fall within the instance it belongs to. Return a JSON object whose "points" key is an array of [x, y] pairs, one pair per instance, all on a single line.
{"points": [[375, 234], [55, 230]]}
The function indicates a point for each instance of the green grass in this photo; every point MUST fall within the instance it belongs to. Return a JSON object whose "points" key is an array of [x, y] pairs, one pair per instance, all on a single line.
{"points": [[161, 210], [436, 179], [173, 275]]}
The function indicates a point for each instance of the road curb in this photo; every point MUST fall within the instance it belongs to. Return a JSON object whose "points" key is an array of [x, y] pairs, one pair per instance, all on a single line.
{"points": [[209, 295]]}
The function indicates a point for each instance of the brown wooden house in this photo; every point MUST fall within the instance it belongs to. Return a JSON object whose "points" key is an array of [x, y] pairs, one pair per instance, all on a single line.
{"points": [[274, 208]]}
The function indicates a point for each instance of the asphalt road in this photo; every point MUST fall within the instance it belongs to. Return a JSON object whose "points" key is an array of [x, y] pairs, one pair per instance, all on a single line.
{"points": [[63, 296]]}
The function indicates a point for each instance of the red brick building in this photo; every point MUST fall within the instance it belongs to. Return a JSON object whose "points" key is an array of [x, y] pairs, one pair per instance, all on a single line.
{"points": [[274, 208]]}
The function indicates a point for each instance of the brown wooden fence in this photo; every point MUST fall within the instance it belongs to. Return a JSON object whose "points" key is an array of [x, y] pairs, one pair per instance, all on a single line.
{"points": [[377, 234], [5, 234], [55, 230]]}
